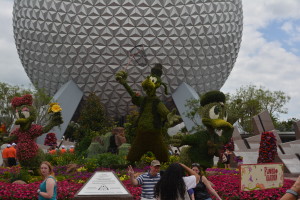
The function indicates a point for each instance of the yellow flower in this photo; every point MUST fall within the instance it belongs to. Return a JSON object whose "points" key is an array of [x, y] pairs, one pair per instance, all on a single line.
{"points": [[81, 169], [54, 107]]}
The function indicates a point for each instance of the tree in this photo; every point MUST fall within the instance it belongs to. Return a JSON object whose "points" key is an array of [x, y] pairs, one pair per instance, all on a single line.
{"points": [[93, 116], [40, 102], [249, 101], [7, 113], [285, 126], [7, 92]]}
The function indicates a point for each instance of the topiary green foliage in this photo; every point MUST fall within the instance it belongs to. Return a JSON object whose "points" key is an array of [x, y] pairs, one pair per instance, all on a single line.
{"points": [[152, 114], [99, 145], [81, 147], [131, 123], [184, 156], [124, 149], [108, 160], [206, 144]]}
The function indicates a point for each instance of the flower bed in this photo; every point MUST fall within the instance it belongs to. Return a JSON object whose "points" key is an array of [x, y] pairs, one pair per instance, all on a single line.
{"points": [[231, 190], [69, 184]]}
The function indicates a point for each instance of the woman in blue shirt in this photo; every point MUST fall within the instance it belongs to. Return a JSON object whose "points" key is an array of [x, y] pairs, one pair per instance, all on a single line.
{"points": [[48, 188]]}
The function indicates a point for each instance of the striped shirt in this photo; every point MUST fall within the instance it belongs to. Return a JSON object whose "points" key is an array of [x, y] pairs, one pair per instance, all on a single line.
{"points": [[148, 183]]}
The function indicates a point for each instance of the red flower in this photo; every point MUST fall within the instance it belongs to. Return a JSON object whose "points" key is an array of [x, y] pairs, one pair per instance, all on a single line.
{"points": [[50, 139], [268, 148], [24, 100]]}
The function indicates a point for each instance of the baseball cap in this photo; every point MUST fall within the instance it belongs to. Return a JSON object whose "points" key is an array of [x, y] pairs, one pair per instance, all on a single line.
{"points": [[8, 145], [72, 146], [155, 163], [63, 147], [13, 144]]}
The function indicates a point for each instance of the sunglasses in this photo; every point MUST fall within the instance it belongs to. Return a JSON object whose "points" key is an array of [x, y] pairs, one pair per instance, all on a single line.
{"points": [[195, 165]]}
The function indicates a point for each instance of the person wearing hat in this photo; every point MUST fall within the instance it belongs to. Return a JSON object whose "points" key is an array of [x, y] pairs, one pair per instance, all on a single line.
{"points": [[14, 145], [5, 155], [11, 156], [147, 180], [63, 149], [71, 149]]}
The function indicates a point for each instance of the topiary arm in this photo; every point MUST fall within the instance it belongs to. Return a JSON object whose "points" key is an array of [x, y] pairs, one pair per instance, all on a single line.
{"points": [[190, 140], [55, 120], [7, 139], [162, 110], [179, 140], [166, 114], [121, 77]]}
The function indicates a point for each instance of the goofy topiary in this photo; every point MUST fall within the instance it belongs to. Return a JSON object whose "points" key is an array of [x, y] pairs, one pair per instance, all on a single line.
{"points": [[152, 114], [206, 144], [25, 135]]}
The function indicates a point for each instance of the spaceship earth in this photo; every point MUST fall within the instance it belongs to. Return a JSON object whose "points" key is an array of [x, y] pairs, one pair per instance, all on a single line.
{"points": [[88, 41]]}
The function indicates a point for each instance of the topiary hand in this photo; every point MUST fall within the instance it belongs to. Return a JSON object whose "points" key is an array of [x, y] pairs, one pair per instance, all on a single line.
{"points": [[121, 77], [173, 118], [176, 140]]}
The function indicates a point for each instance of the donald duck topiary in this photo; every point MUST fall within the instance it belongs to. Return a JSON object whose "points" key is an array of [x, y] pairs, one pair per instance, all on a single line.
{"points": [[151, 117], [26, 134], [206, 144]]}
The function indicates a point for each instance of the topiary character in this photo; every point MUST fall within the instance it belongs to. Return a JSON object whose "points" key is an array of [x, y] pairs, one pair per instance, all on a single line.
{"points": [[206, 144], [152, 114], [27, 149]]}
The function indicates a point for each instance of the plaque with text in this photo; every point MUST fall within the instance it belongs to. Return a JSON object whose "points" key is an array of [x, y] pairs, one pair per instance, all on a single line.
{"points": [[261, 176], [103, 185]]}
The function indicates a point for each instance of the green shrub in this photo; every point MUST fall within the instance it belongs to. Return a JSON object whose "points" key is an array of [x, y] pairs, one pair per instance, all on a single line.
{"points": [[172, 159], [145, 160], [82, 146], [63, 159], [91, 164], [124, 149], [22, 175], [109, 160], [99, 147]]}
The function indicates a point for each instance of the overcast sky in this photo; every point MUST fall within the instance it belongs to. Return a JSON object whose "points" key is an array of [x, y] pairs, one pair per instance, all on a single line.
{"points": [[269, 54]]}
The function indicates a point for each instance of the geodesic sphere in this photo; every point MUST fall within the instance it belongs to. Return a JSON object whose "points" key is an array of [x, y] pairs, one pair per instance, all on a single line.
{"points": [[88, 41]]}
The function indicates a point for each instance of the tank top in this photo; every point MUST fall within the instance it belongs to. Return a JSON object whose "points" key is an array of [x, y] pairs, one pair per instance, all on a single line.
{"points": [[43, 189], [200, 191]]}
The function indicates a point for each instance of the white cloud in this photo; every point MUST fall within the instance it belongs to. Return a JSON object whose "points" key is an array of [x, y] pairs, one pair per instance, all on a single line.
{"points": [[259, 13], [287, 27], [264, 63], [12, 71]]}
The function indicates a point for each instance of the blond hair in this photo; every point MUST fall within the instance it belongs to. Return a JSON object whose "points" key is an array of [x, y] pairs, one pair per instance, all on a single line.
{"points": [[51, 169]]}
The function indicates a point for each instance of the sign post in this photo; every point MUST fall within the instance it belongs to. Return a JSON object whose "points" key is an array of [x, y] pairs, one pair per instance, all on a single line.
{"points": [[101, 186]]}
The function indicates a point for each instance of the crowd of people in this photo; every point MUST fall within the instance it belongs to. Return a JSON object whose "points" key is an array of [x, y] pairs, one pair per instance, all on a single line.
{"points": [[9, 155], [55, 150], [179, 182], [173, 182]]}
